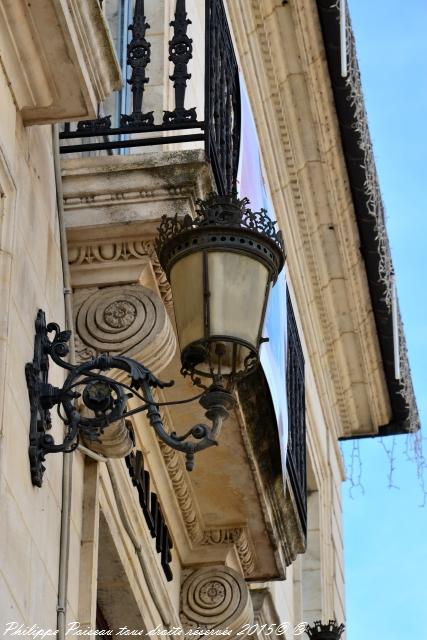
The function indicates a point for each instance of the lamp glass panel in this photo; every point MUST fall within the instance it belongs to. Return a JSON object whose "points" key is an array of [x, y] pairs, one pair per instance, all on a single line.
{"points": [[186, 279], [237, 287]]}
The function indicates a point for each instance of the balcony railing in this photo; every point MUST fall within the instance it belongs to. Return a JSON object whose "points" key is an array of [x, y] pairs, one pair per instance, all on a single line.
{"points": [[219, 128], [296, 455]]}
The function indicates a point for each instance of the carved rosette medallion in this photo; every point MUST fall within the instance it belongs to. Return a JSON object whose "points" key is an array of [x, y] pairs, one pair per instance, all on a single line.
{"points": [[124, 319], [215, 598], [120, 314]]}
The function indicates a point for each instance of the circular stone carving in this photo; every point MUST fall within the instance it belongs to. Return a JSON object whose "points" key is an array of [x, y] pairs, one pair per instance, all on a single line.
{"points": [[215, 597], [120, 314], [129, 320], [212, 593]]}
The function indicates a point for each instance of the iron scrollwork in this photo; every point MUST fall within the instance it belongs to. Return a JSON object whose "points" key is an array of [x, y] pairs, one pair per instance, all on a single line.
{"points": [[103, 400], [138, 59], [180, 53], [219, 129]]}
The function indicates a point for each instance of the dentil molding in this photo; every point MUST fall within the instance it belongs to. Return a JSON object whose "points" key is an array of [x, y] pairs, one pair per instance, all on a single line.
{"points": [[282, 57]]}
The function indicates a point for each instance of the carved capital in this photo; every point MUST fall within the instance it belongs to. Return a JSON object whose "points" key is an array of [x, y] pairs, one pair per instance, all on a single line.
{"points": [[215, 598], [130, 319]]}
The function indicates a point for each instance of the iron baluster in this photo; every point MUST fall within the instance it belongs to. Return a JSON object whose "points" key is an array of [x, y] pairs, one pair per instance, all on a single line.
{"points": [[220, 127], [223, 113], [295, 382], [138, 58], [180, 53], [236, 134]]}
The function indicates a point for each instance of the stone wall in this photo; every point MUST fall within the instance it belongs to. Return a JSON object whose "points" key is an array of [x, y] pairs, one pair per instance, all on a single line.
{"points": [[30, 278]]}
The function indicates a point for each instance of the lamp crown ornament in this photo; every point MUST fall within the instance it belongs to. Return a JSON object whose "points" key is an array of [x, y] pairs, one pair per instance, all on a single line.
{"points": [[325, 631], [219, 212], [216, 211]]}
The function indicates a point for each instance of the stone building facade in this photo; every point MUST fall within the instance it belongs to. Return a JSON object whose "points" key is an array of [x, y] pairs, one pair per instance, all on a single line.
{"points": [[121, 534]]}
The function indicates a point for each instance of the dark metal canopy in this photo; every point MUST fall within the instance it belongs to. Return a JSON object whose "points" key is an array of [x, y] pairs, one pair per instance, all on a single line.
{"points": [[222, 222]]}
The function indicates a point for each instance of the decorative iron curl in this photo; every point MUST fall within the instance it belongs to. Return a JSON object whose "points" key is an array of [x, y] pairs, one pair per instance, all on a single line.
{"points": [[106, 398], [217, 210]]}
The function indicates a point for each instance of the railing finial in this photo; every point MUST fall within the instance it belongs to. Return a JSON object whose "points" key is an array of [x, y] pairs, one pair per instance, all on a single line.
{"points": [[180, 53], [138, 57]]}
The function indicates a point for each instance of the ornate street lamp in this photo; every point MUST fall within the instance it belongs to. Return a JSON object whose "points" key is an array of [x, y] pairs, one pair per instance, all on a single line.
{"points": [[329, 631], [221, 266]]}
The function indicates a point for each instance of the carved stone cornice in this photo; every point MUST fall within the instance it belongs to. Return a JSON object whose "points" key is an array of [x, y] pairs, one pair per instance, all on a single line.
{"points": [[82, 255], [113, 206], [58, 57], [239, 536], [370, 214], [198, 534], [183, 491], [282, 521], [124, 196], [281, 55]]}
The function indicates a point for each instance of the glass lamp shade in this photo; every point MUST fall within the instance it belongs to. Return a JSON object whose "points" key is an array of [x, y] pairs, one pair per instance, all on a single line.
{"points": [[219, 299], [221, 267]]}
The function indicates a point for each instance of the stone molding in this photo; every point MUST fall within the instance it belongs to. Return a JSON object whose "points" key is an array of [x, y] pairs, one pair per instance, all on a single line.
{"points": [[313, 204], [84, 257], [124, 319], [107, 193], [182, 490], [58, 57], [215, 597], [198, 534], [7, 239], [239, 536], [282, 521], [265, 612]]}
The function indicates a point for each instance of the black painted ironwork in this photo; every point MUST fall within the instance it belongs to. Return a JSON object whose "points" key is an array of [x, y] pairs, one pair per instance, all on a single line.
{"points": [[295, 382], [138, 59], [325, 631], [151, 510], [222, 95], [222, 223], [106, 398], [220, 127], [180, 53], [225, 213]]}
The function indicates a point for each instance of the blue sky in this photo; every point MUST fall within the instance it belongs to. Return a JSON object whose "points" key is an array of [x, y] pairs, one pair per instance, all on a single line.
{"points": [[385, 530]]}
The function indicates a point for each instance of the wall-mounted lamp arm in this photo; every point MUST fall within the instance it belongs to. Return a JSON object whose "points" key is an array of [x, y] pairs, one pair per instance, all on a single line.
{"points": [[106, 399]]}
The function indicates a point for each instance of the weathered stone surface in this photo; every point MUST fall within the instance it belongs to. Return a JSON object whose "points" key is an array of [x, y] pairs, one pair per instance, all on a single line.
{"points": [[215, 598], [129, 320]]}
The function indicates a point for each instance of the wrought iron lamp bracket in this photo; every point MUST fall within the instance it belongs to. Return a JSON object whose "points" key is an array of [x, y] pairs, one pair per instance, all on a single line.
{"points": [[106, 398]]}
